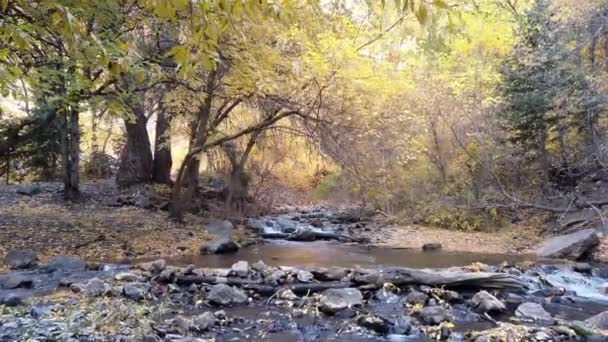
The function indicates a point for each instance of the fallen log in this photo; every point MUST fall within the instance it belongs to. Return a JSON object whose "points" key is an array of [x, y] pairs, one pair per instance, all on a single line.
{"points": [[318, 287], [194, 279], [402, 276], [312, 236]]}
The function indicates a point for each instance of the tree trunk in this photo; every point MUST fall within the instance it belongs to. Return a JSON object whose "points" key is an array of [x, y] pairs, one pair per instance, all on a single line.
{"points": [[543, 157], [71, 155], [181, 199], [136, 159], [161, 169]]}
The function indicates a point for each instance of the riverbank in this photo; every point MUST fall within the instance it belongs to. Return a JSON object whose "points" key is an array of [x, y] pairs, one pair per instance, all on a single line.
{"points": [[515, 240], [156, 301], [115, 225]]}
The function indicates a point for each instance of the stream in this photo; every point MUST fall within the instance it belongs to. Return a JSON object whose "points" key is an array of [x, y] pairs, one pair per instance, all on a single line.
{"points": [[566, 293]]}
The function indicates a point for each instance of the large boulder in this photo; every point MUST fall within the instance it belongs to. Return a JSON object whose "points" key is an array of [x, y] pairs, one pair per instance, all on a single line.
{"points": [[222, 229], [222, 294], [15, 280], [570, 246], [220, 246], [334, 300], [599, 321], [483, 302], [20, 259]]}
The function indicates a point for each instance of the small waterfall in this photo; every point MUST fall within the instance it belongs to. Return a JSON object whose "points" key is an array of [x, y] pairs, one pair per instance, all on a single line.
{"points": [[583, 285]]}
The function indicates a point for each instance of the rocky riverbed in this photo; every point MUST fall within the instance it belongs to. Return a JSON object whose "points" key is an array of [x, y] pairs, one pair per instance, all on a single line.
{"points": [[155, 301]]}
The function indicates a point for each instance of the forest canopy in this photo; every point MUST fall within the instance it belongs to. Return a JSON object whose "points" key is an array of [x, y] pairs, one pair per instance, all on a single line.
{"points": [[448, 112]]}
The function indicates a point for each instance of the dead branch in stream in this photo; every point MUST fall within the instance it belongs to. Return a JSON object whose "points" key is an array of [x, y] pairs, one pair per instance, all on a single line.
{"points": [[400, 276]]}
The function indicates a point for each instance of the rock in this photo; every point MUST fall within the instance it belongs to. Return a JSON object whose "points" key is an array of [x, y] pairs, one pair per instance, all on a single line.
{"points": [[542, 336], [20, 259], [276, 277], [261, 268], [258, 226], [135, 290], [331, 274], [582, 267], [167, 274], [181, 324], [95, 287], [11, 299], [416, 297], [303, 235], [286, 225], [483, 302], [64, 263], [240, 268], [222, 229], [534, 312], [29, 190], [220, 314], [599, 321], [222, 294], [550, 292], [374, 323], [452, 297], [40, 311], [433, 315], [14, 281], [317, 223], [287, 294], [431, 246], [156, 266], [304, 276], [126, 276], [334, 300], [220, 246], [151, 338], [570, 246], [204, 321]]}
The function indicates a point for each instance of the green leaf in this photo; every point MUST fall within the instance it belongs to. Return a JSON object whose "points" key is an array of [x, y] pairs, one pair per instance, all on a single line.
{"points": [[422, 14], [440, 4], [179, 54]]}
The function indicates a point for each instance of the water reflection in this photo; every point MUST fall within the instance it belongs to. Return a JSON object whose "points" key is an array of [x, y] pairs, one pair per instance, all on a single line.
{"points": [[329, 254]]}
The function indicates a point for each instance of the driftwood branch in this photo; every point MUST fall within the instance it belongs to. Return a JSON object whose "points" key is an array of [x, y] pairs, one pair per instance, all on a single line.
{"points": [[399, 276]]}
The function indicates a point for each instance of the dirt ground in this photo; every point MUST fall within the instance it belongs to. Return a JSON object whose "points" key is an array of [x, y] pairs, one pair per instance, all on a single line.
{"points": [[515, 240], [93, 230]]}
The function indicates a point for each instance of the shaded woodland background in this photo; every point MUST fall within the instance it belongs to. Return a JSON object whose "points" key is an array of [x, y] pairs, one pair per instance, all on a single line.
{"points": [[461, 114]]}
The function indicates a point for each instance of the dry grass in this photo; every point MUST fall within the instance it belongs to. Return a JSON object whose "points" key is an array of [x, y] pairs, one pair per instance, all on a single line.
{"points": [[95, 232]]}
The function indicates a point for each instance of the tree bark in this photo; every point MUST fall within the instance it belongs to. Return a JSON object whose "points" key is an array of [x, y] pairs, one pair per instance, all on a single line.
{"points": [[161, 169], [180, 199], [136, 159], [71, 155]]}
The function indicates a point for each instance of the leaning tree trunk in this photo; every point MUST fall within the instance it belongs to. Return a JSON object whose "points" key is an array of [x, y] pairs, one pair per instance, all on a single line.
{"points": [[136, 159], [161, 169], [71, 155]]}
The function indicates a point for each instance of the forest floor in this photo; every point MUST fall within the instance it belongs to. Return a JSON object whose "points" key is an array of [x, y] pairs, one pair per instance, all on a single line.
{"points": [[97, 229]]}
